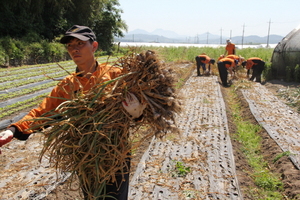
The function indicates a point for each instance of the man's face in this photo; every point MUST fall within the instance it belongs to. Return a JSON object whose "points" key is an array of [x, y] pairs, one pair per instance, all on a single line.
{"points": [[81, 51]]}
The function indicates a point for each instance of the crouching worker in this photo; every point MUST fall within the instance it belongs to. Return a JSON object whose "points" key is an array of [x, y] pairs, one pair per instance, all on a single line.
{"points": [[81, 45], [225, 65], [257, 66], [201, 61], [239, 62]]}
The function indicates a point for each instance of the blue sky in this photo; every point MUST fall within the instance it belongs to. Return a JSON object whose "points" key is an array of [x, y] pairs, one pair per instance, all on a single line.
{"points": [[229, 18]]}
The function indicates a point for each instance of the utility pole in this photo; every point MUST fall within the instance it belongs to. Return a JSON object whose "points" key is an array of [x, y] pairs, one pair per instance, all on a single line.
{"points": [[243, 35], [221, 36], [132, 37], [207, 38], [230, 34], [268, 34]]}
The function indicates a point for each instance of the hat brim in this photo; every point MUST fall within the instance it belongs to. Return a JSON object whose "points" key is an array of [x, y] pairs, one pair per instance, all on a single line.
{"points": [[65, 39]]}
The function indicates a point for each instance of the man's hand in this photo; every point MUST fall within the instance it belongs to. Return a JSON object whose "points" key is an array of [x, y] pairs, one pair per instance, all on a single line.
{"points": [[5, 137], [133, 106]]}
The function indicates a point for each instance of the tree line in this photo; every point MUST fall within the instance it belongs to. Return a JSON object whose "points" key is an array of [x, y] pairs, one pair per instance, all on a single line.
{"points": [[46, 20]]}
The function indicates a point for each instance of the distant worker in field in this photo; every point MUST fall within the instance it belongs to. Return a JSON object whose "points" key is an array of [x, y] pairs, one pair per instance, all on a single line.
{"points": [[201, 61], [230, 48], [225, 65], [257, 66]]}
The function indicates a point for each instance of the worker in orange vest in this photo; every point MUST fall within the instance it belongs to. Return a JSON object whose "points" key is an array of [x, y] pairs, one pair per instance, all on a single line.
{"points": [[239, 59], [257, 65], [225, 65], [235, 57], [201, 61]]}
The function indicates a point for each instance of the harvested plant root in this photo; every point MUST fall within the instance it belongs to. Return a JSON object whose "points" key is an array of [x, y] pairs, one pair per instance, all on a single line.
{"points": [[90, 135]]}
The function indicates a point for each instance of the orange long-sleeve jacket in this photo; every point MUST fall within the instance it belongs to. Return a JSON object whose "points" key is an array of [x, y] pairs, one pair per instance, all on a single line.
{"points": [[252, 61], [229, 62], [65, 91]]}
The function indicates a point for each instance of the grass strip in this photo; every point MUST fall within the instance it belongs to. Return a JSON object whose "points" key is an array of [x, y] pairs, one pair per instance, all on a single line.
{"points": [[269, 185]]}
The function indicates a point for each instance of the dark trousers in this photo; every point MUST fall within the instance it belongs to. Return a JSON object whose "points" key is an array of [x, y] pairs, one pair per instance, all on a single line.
{"points": [[199, 64], [119, 189], [223, 73], [257, 71]]}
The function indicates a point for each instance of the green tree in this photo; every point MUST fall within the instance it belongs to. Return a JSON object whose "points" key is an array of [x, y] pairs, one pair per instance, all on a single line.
{"points": [[109, 25], [50, 18], [102, 16]]}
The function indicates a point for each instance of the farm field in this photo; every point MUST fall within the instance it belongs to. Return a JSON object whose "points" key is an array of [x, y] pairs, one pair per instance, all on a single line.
{"points": [[18, 96]]}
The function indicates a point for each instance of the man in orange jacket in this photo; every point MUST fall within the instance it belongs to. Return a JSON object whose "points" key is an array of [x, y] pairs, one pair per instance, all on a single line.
{"points": [[201, 61], [225, 65], [81, 45], [257, 65], [230, 48]]}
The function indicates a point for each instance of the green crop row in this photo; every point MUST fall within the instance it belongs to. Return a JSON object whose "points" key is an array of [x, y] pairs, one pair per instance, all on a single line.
{"points": [[28, 81], [26, 91], [19, 106], [8, 74], [31, 74], [28, 67]]}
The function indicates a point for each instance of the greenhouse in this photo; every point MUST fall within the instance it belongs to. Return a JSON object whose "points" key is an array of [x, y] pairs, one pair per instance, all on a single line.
{"points": [[287, 53]]}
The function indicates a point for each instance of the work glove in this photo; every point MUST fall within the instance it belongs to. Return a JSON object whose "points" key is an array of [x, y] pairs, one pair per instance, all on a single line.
{"points": [[133, 106], [5, 137]]}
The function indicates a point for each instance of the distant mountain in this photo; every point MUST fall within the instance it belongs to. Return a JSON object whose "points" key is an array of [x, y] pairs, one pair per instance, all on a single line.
{"points": [[165, 36], [159, 32], [147, 38], [254, 39], [138, 31], [166, 33]]}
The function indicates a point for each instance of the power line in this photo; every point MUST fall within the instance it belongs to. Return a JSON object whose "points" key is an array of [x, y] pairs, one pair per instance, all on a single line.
{"points": [[268, 33], [243, 35], [221, 36], [207, 37]]}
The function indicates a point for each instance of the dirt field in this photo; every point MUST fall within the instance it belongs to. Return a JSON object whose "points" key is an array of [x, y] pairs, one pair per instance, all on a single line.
{"points": [[289, 174]]}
